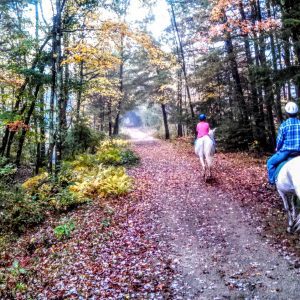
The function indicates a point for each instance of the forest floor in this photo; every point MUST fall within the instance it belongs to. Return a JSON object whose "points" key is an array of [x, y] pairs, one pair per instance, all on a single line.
{"points": [[173, 237]]}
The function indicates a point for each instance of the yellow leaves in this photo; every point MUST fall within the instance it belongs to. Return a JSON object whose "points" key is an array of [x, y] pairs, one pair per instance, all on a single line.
{"points": [[33, 183], [92, 180], [164, 94], [113, 143], [10, 79], [102, 182], [157, 57], [94, 58], [104, 87]]}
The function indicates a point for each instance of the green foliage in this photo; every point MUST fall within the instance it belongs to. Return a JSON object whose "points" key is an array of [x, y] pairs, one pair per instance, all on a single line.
{"points": [[110, 156], [66, 200], [233, 136], [85, 161], [128, 157], [18, 210], [80, 139], [64, 230], [105, 222], [16, 270], [116, 153], [88, 177], [21, 287], [7, 170]]}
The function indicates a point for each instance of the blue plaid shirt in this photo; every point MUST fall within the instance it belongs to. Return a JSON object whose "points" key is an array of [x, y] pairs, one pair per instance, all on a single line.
{"points": [[288, 138]]}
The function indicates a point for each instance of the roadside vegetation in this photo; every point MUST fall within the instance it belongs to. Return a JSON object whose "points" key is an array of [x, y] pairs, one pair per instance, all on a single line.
{"points": [[95, 171]]}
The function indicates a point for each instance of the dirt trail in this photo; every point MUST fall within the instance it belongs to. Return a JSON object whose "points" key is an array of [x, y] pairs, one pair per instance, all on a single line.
{"points": [[216, 252], [173, 237]]}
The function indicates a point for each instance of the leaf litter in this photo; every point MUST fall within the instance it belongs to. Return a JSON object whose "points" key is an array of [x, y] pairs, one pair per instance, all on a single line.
{"points": [[168, 239]]}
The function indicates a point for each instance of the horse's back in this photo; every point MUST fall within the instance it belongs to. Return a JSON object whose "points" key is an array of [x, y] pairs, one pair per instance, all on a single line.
{"points": [[289, 175], [204, 145]]}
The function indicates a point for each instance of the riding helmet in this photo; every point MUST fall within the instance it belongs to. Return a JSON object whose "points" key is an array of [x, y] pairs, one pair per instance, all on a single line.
{"points": [[291, 108], [202, 117]]}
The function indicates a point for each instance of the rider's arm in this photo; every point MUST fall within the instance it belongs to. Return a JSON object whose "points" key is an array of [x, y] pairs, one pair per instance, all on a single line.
{"points": [[280, 138]]}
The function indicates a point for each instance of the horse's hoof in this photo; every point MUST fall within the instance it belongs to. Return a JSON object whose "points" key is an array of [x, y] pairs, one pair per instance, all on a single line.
{"points": [[290, 230]]}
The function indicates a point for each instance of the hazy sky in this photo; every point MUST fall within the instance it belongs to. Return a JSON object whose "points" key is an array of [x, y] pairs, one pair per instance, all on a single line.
{"points": [[135, 13], [160, 10]]}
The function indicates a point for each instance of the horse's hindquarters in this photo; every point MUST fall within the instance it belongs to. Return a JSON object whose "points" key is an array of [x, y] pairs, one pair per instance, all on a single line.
{"points": [[288, 186]]}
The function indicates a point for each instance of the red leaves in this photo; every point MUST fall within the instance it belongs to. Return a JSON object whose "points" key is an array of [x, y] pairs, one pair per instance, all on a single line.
{"points": [[16, 125]]}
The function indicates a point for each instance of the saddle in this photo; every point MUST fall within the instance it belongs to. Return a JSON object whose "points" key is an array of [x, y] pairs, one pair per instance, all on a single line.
{"points": [[279, 167]]}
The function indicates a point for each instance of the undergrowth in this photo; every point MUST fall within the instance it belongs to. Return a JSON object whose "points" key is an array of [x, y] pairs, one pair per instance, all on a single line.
{"points": [[87, 177]]}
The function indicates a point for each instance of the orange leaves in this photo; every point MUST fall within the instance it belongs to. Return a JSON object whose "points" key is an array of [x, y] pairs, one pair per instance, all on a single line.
{"points": [[16, 125], [226, 16], [243, 27], [10, 79]]}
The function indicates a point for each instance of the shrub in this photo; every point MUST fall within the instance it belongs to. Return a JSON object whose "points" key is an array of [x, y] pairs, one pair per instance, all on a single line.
{"points": [[85, 178], [113, 143], [105, 182], [7, 170], [233, 136], [110, 156], [115, 185], [16, 269], [18, 210], [64, 230], [116, 153], [65, 200], [84, 161], [34, 183], [129, 158], [80, 139]]}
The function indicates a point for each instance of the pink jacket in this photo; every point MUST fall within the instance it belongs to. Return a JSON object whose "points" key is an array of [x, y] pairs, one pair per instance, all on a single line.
{"points": [[202, 129]]}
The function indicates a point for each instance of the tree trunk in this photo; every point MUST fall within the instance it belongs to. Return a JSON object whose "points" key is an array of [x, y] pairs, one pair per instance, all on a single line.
{"points": [[26, 122], [258, 126], [179, 100], [165, 119], [109, 118], [60, 91], [79, 94], [42, 146], [121, 88], [269, 95], [275, 69], [243, 114], [182, 58]]}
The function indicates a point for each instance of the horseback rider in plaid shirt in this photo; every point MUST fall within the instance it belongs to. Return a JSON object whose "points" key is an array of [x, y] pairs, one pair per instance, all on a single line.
{"points": [[288, 140]]}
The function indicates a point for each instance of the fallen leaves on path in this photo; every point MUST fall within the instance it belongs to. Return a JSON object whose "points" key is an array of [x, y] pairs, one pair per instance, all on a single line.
{"points": [[117, 250], [243, 176]]}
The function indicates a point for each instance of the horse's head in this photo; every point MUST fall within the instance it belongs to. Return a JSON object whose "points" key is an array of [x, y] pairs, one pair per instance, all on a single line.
{"points": [[212, 133]]}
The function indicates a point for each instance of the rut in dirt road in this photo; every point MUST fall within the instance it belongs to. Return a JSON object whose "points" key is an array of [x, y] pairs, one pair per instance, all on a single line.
{"points": [[217, 252]]}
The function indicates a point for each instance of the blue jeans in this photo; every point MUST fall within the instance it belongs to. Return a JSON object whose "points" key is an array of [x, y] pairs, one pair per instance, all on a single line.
{"points": [[274, 161]]}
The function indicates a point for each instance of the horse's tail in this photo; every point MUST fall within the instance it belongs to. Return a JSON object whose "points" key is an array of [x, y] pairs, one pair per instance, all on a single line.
{"points": [[209, 159], [209, 151]]}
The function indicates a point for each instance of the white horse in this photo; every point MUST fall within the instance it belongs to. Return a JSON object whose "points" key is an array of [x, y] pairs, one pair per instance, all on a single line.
{"points": [[288, 187], [205, 149]]}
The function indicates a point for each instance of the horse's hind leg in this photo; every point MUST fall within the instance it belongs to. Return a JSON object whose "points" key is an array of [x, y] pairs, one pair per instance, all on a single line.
{"points": [[203, 165], [209, 164], [296, 216], [290, 209]]}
